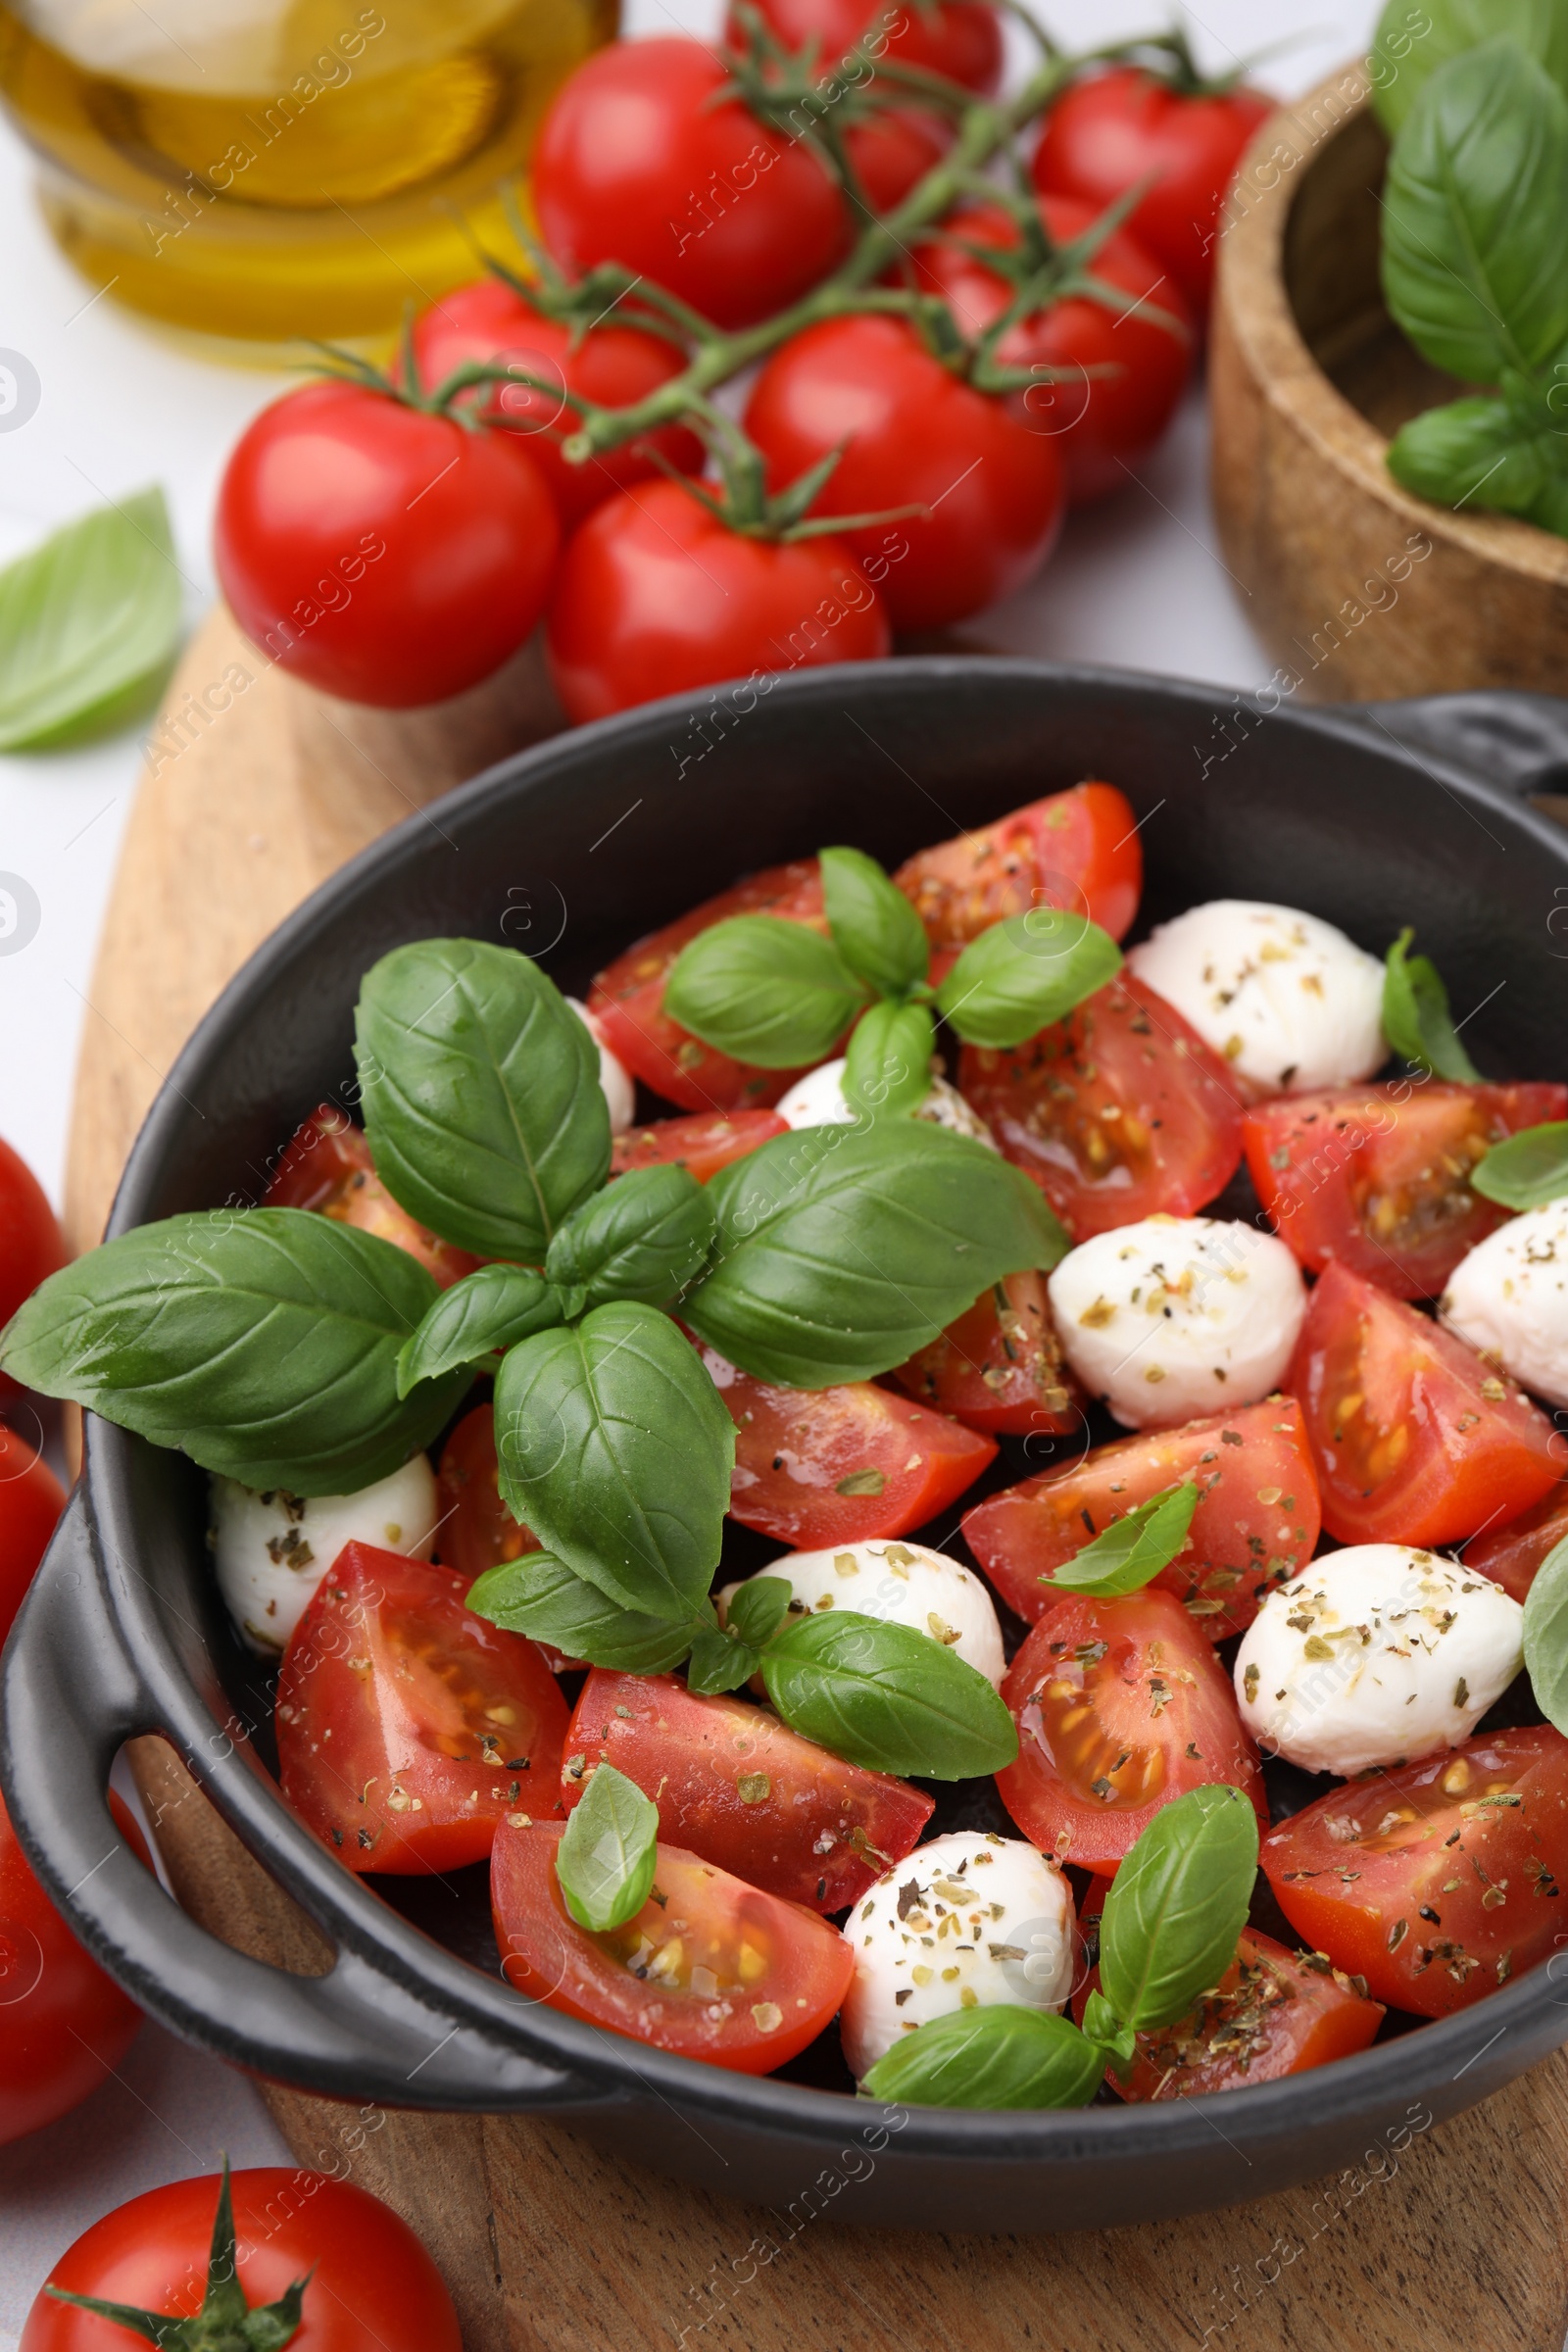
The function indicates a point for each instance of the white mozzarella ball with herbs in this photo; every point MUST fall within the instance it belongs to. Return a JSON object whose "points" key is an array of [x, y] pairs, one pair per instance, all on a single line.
{"points": [[1378, 1654], [970, 1920], [620, 1086], [899, 1583], [1509, 1299], [1177, 1317], [1287, 999], [817, 1101], [272, 1549]]}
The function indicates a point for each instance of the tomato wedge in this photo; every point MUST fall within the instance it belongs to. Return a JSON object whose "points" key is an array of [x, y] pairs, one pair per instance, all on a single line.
{"points": [[1118, 1112], [704, 1143], [1511, 1554], [1121, 1705], [1079, 849], [1416, 1438], [841, 1465], [1439, 1882], [1256, 1525], [1377, 1178], [742, 1790], [1000, 1367], [710, 1967], [438, 1722], [327, 1166], [475, 1531]]}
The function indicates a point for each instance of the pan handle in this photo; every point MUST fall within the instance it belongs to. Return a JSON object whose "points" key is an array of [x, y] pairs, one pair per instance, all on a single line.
{"points": [[1512, 740], [70, 1697]]}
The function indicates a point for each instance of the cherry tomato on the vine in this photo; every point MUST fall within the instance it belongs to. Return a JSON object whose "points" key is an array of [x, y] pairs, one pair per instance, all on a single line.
{"points": [[31, 1245], [958, 39], [890, 151]]}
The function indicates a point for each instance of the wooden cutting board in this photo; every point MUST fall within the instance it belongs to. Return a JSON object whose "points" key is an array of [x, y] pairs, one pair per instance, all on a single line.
{"points": [[548, 2246]]}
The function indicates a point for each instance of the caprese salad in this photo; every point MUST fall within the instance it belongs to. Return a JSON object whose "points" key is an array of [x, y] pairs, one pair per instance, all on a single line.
{"points": [[843, 1200]]}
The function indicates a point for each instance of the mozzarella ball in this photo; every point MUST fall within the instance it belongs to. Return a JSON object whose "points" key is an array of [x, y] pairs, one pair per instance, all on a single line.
{"points": [[1177, 1317], [1509, 1299], [966, 1921], [900, 1583], [620, 1087], [817, 1101], [271, 1551], [1289, 1002], [1376, 1656]]}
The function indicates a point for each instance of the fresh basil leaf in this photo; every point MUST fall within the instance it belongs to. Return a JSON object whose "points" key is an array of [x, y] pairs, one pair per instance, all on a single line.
{"points": [[759, 1608], [996, 2056], [488, 1310], [1177, 1906], [1475, 269], [1551, 510], [1545, 1636], [886, 1697], [1133, 1550], [1488, 452], [1415, 1015], [717, 1664], [768, 992], [887, 1071], [89, 624], [874, 927], [842, 1249], [609, 1851], [642, 1238], [482, 1101], [1528, 1171], [1412, 43], [1021, 975], [1102, 2024], [264, 1343], [615, 1446], [539, 1597]]}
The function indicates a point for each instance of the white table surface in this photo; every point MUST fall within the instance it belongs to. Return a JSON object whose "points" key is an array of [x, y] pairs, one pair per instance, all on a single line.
{"points": [[1137, 583]]}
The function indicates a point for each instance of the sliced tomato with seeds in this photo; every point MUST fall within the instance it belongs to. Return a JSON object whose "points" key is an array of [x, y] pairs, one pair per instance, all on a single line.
{"points": [[1377, 1178], [1511, 1552], [1000, 1367], [1415, 1438], [710, 1967], [1078, 850], [1121, 1705], [742, 1790], [705, 1143], [327, 1166], [1257, 1521]]}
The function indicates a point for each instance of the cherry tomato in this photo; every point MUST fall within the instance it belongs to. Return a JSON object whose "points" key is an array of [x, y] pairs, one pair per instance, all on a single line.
{"points": [[913, 434], [438, 1721], [371, 2285], [1511, 1554], [889, 152], [31, 1245], [958, 39], [612, 365], [1108, 134], [327, 1166], [1257, 1521], [705, 1144], [1121, 1705], [1415, 1438], [475, 1529], [1124, 374], [643, 160], [710, 1967], [1378, 1177], [31, 1499], [1440, 1881], [841, 1465], [1000, 1367], [1078, 850], [656, 595], [1118, 1112], [742, 1790], [379, 553]]}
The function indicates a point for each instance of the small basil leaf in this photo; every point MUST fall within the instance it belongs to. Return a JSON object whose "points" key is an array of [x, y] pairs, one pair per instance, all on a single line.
{"points": [[996, 2056], [1547, 1635], [874, 927], [886, 1697], [89, 623], [490, 1310], [1177, 1906], [1133, 1550], [261, 1343], [643, 1238], [1412, 43], [1487, 451], [1021, 975], [887, 1071], [717, 1664], [482, 1101], [842, 1249], [615, 1446], [771, 993], [1103, 2025], [609, 1851], [759, 1608], [1551, 510], [1527, 1171], [1415, 1015], [538, 1597]]}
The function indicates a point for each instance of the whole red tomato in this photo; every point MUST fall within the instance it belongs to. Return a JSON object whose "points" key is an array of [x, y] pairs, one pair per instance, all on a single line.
{"points": [[643, 160], [65, 2026], [889, 152], [31, 1499], [913, 434], [1104, 136], [656, 595], [960, 38], [380, 553], [30, 1243], [611, 365]]}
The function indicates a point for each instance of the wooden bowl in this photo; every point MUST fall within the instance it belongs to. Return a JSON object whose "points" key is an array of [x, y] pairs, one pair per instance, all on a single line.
{"points": [[1359, 590]]}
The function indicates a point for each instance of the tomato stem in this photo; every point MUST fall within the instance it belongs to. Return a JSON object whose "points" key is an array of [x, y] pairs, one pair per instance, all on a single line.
{"points": [[225, 2322]]}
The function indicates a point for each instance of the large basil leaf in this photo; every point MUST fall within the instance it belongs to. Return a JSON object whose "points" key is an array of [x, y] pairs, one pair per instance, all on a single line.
{"points": [[996, 2056], [642, 1238], [887, 1071], [608, 1853], [489, 1310], [538, 1597], [1547, 1635], [768, 992], [263, 1343], [1133, 1550], [842, 1249], [1412, 43], [1416, 1020], [886, 1697], [1021, 975], [874, 927], [615, 1446], [1528, 1171], [1177, 1906], [482, 1101], [1487, 452]]}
